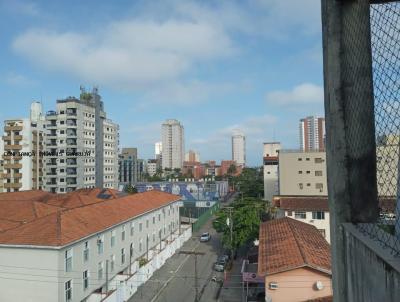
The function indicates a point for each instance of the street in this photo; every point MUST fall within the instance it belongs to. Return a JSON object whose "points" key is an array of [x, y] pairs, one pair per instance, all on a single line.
{"points": [[175, 281]]}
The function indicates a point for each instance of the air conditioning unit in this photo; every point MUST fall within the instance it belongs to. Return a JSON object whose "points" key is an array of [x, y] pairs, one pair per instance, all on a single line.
{"points": [[273, 285], [319, 285]]}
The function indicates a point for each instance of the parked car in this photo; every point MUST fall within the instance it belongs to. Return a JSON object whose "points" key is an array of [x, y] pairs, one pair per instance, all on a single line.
{"points": [[219, 266], [205, 237], [224, 258]]}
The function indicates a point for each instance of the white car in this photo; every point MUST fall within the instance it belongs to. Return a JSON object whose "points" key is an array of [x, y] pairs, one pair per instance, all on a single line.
{"points": [[205, 237]]}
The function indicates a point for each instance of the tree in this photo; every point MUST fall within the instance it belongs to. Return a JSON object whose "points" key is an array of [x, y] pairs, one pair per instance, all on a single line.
{"points": [[232, 169], [130, 189], [247, 214]]}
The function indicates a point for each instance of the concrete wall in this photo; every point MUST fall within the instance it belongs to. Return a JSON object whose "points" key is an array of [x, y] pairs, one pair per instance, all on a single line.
{"points": [[372, 273], [298, 173], [297, 285], [28, 275]]}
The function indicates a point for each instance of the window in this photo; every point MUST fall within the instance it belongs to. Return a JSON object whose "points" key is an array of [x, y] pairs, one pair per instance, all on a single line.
{"points": [[140, 227], [140, 245], [112, 263], [68, 290], [318, 173], [318, 160], [123, 233], [154, 219], [322, 232], [154, 237], [299, 159], [112, 238], [68, 260], [86, 251], [100, 244], [159, 217], [308, 172], [308, 184], [100, 271], [85, 279], [300, 215], [300, 186], [132, 228], [319, 186], [289, 213], [300, 172], [122, 256], [147, 223], [308, 158], [320, 215]]}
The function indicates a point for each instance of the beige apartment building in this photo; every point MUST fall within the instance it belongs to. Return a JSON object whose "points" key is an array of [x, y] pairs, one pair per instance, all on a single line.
{"points": [[22, 161], [387, 153], [302, 173]]}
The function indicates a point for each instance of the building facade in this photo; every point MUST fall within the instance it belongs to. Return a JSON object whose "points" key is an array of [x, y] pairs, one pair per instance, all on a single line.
{"points": [[128, 167], [270, 162], [312, 133], [313, 210], [23, 166], [82, 145], [239, 148], [173, 144], [84, 254], [152, 167], [192, 156], [302, 173]]}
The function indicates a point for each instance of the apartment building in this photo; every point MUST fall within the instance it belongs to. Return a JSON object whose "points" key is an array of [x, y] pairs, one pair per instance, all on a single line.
{"points": [[23, 147], [192, 156], [1, 164], [110, 154], [270, 162], [295, 262], [302, 173], [312, 133], [173, 144], [313, 210], [239, 148], [81, 145], [72, 247], [152, 167], [387, 159]]}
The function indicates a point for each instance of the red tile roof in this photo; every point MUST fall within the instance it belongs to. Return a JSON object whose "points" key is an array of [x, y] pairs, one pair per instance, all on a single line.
{"points": [[287, 244], [302, 203], [56, 220]]}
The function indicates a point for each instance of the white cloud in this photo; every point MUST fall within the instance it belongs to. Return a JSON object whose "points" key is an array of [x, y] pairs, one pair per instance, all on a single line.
{"points": [[306, 93], [27, 8], [128, 54]]}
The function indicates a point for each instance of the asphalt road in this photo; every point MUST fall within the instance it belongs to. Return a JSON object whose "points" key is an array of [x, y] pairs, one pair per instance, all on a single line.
{"points": [[175, 281]]}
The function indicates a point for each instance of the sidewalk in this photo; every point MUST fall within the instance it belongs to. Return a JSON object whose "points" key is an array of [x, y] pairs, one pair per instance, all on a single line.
{"points": [[232, 288]]}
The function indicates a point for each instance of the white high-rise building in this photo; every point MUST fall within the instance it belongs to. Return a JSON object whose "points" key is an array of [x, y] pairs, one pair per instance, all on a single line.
{"points": [[239, 148], [157, 149], [312, 133], [82, 145], [271, 173], [173, 144]]}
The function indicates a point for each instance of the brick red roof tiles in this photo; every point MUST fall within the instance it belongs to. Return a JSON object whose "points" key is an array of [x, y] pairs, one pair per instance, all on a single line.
{"points": [[286, 244], [302, 203], [78, 214]]}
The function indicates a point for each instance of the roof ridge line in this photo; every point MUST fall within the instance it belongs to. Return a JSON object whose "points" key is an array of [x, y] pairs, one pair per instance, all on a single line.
{"points": [[297, 242]]}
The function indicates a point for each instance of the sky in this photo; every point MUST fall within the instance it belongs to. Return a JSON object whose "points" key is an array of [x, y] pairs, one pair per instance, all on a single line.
{"points": [[215, 66]]}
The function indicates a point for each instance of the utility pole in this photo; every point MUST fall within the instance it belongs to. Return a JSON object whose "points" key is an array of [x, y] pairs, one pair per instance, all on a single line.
{"points": [[230, 224], [107, 276], [196, 283]]}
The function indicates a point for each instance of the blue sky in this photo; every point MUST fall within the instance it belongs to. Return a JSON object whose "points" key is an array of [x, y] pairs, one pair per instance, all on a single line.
{"points": [[214, 65]]}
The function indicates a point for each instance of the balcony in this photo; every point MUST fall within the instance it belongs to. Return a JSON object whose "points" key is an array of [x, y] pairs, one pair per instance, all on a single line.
{"points": [[71, 112], [51, 163], [9, 157], [12, 147], [17, 175], [71, 123], [18, 137], [13, 166], [6, 137], [71, 132], [12, 185], [71, 162], [51, 126], [71, 171], [13, 128]]}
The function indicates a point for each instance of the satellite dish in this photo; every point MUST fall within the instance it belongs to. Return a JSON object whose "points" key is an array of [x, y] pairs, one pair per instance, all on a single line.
{"points": [[319, 285]]}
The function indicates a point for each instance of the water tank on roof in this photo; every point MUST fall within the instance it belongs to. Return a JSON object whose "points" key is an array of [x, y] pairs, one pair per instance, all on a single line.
{"points": [[36, 111]]}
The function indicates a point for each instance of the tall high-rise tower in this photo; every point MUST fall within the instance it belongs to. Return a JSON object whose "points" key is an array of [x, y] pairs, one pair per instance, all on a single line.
{"points": [[239, 148], [312, 133], [173, 144]]}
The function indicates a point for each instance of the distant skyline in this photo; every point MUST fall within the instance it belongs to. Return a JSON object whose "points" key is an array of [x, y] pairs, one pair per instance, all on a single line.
{"points": [[215, 66]]}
